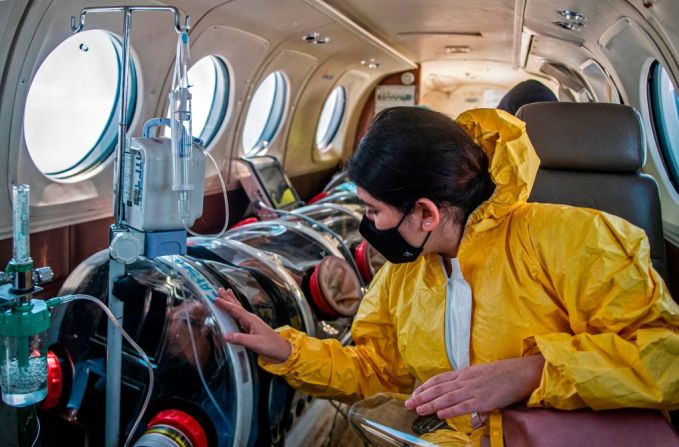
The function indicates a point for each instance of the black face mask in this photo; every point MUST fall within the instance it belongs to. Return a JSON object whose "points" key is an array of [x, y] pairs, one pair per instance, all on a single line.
{"points": [[390, 243]]}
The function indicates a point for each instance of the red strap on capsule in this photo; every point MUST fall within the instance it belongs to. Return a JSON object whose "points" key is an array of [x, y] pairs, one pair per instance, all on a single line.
{"points": [[247, 221], [182, 422], [317, 295], [317, 197], [55, 382], [361, 258]]}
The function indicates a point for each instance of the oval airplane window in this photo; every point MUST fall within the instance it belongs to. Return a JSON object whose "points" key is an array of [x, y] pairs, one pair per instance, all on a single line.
{"points": [[209, 79], [665, 105], [265, 114], [331, 117], [71, 112]]}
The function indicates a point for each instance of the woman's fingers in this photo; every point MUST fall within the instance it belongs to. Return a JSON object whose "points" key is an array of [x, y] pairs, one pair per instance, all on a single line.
{"points": [[259, 337], [245, 319], [247, 340], [228, 295], [436, 380], [443, 401], [431, 394], [464, 407], [272, 347], [478, 388]]}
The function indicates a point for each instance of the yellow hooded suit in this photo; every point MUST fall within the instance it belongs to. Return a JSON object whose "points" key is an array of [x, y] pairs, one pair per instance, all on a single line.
{"points": [[574, 284]]}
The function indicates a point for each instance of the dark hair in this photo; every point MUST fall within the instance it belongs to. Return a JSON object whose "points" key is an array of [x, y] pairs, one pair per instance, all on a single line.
{"points": [[411, 153], [526, 92]]}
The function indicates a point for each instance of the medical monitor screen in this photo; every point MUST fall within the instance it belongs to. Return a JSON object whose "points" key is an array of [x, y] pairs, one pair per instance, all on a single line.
{"points": [[280, 191]]}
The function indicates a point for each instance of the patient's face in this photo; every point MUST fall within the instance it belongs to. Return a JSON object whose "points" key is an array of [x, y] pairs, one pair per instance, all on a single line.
{"points": [[189, 318]]}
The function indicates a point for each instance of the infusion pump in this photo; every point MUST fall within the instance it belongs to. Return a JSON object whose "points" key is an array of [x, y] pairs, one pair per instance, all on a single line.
{"points": [[150, 202]]}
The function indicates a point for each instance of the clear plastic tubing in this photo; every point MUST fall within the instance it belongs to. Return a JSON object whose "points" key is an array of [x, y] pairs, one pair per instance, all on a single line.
{"points": [[20, 215], [180, 125]]}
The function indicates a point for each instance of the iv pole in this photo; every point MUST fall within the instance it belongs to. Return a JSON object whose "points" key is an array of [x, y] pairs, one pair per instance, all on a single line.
{"points": [[123, 246]]}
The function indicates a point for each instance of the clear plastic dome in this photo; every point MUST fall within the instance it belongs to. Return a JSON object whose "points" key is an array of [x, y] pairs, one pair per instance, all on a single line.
{"points": [[170, 313]]}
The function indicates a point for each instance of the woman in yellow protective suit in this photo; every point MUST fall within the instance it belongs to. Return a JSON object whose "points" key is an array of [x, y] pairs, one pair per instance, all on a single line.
{"points": [[488, 300]]}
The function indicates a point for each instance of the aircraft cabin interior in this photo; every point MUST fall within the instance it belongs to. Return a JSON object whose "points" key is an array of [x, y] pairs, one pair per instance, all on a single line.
{"points": [[153, 153]]}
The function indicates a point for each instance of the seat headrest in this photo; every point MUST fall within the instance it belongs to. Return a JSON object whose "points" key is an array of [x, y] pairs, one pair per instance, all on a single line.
{"points": [[597, 137]]}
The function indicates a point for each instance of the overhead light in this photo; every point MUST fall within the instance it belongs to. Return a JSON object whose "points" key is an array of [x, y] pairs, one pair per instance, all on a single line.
{"points": [[315, 38], [572, 15], [370, 63], [457, 49], [570, 26]]}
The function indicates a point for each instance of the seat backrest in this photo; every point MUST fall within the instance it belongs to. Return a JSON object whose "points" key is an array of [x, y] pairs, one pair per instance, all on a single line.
{"points": [[591, 155]]}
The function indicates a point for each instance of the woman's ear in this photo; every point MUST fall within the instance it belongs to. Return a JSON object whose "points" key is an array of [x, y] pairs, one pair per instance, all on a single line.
{"points": [[428, 213]]}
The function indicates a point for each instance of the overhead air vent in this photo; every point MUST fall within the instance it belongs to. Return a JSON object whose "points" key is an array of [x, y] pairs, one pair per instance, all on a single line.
{"points": [[315, 38], [572, 15], [574, 20], [370, 63], [570, 26]]}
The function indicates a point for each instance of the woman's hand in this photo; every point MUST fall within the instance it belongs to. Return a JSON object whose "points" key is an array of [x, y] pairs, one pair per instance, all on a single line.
{"points": [[479, 388], [257, 336]]}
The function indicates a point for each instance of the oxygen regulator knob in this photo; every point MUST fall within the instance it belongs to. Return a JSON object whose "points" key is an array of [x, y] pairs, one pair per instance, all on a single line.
{"points": [[125, 247], [43, 275]]}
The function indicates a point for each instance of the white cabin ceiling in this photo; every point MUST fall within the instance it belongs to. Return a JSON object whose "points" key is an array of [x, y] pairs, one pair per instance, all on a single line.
{"points": [[427, 22]]}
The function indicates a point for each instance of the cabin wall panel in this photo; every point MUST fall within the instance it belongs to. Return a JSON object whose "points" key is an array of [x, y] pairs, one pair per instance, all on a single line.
{"points": [[340, 63], [297, 68], [53, 203], [17, 15], [573, 48], [368, 111], [625, 38], [301, 154], [661, 15], [212, 220], [308, 185], [87, 238], [632, 51]]}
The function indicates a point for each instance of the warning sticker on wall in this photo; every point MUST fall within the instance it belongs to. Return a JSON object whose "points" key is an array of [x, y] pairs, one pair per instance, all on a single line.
{"points": [[393, 96]]}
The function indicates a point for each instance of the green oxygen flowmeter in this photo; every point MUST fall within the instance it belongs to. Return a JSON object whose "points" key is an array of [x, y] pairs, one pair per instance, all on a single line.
{"points": [[23, 320]]}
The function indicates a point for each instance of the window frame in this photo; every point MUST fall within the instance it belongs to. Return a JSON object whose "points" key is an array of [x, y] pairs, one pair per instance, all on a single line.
{"points": [[222, 90], [103, 148], [274, 118], [338, 113], [219, 105], [669, 155]]}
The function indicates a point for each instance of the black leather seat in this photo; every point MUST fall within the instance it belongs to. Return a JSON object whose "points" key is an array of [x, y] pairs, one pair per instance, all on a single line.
{"points": [[591, 155]]}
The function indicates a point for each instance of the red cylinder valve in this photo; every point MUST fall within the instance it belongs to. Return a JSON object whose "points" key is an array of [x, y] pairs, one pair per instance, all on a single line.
{"points": [[182, 422]]}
